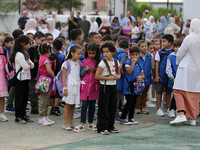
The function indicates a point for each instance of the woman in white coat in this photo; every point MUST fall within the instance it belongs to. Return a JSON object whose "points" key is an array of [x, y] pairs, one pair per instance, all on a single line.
{"points": [[187, 81]]}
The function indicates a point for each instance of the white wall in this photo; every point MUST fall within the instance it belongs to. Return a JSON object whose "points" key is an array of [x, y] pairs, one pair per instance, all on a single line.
{"points": [[191, 9], [119, 7]]}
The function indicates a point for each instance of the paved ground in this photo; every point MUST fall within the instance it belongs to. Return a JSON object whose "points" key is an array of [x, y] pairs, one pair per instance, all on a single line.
{"points": [[151, 133]]}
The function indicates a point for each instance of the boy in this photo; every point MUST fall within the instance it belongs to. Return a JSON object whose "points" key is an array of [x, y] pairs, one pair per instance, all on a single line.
{"points": [[171, 73], [132, 71], [161, 76], [94, 37], [8, 43], [49, 38], [147, 62], [39, 37]]}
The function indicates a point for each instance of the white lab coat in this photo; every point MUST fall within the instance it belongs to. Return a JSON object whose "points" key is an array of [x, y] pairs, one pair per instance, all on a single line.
{"points": [[188, 76]]}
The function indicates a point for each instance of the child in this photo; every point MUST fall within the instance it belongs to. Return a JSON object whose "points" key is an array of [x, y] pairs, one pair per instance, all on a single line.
{"points": [[57, 45], [147, 62], [89, 87], [49, 38], [150, 47], [8, 44], [23, 64], [39, 37], [161, 76], [71, 84], [171, 73], [3, 80], [157, 46], [135, 33], [94, 37], [44, 98], [132, 70], [108, 73]]}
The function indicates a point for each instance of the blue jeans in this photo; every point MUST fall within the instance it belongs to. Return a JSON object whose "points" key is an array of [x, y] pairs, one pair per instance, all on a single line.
{"points": [[91, 111], [134, 41]]}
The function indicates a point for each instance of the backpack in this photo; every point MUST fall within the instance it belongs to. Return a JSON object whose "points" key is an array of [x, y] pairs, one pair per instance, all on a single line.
{"points": [[54, 58], [4, 53], [57, 82], [117, 54]]}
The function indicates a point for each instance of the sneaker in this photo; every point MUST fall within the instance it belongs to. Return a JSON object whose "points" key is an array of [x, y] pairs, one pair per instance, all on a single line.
{"points": [[43, 121], [27, 119], [133, 121], [114, 130], [52, 111], [10, 109], [145, 111], [153, 99], [125, 122], [105, 132], [167, 112], [27, 109], [76, 115], [20, 120], [117, 119], [67, 128], [178, 119], [171, 113], [57, 111], [150, 105], [160, 113], [49, 120], [77, 106], [3, 118], [138, 111], [191, 122]]}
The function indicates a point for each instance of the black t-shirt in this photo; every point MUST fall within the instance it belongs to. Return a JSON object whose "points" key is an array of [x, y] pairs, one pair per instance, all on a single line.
{"points": [[71, 25], [22, 21]]}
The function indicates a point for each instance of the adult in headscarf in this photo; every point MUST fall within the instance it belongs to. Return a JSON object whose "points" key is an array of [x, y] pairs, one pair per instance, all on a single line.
{"points": [[104, 27], [187, 81], [186, 28], [127, 29], [30, 27], [161, 27], [50, 24], [172, 28], [150, 29]]}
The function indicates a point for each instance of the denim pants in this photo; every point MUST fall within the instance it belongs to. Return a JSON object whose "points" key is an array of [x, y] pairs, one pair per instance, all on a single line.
{"points": [[91, 111]]}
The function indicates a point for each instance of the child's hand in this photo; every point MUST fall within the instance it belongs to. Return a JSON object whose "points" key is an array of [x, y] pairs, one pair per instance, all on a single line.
{"points": [[116, 77], [133, 60], [157, 79], [29, 63], [93, 69], [65, 92], [88, 68], [139, 78]]}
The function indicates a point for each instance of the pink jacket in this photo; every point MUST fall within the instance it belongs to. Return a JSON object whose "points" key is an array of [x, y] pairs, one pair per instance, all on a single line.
{"points": [[3, 79], [89, 86]]}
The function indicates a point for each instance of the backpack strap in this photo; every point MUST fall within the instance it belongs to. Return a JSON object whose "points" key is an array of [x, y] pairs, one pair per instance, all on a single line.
{"points": [[116, 66], [68, 66], [107, 66]]}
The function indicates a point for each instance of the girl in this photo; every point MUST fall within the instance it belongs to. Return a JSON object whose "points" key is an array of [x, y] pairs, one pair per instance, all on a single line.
{"points": [[71, 86], [22, 64], [89, 86], [108, 73], [150, 47], [3, 80], [45, 66]]}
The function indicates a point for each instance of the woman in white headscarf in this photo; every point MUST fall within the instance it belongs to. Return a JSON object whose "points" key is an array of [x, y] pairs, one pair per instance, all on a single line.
{"points": [[172, 28], [30, 27], [50, 24], [187, 81], [104, 27], [150, 29]]}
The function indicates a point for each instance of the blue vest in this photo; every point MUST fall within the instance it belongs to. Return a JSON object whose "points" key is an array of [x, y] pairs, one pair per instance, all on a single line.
{"points": [[131, 77], [163, 62], [146, 66], [174, 67]]}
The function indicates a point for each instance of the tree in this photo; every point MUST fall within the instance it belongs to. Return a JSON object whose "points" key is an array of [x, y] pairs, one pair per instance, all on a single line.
{"points": [[34, 5], [63, 4]]}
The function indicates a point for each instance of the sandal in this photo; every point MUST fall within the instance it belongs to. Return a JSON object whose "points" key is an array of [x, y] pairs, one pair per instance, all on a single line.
{"points": [[92, 127], [79, 128], [67, 127]]}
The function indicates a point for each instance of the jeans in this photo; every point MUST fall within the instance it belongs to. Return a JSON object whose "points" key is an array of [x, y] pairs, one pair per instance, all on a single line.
{"points": [[134, 40], [91, 111]]}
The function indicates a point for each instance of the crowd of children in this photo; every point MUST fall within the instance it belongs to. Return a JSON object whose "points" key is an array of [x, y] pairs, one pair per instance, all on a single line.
{"points": [[100, 72]]}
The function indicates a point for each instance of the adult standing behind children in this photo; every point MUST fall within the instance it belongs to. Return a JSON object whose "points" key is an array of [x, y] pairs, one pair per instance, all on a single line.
{"points": [[85, 26], [187, 81], [22, 20], [30, 27]]}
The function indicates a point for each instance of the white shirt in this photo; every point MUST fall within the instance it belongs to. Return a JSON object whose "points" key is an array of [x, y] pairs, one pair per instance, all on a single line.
{"points": [[106, 73], [94, 27], [135, 34], [20, 61], [172, 29], [169, 68]]}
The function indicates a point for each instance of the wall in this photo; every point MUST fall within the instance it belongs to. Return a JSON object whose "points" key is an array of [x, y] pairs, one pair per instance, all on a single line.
{"points": [[191, 9]]}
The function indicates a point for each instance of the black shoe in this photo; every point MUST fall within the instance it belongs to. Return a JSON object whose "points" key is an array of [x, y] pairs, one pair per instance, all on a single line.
{"points": [[35, 112], [20, 120], [114, 130], [52, 111], [57, 111], [27, 119]]}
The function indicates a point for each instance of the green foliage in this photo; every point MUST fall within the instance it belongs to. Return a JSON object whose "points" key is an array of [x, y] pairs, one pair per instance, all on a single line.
{"points": [[8, 6]]}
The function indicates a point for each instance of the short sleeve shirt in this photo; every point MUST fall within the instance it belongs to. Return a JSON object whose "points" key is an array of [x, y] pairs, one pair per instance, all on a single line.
{"points": [[71, 25]]}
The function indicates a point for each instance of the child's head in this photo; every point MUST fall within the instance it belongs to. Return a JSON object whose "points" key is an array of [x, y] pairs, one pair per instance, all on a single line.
{"points": [[183, 36], [121, 38], [108, 49], [8, 42], [57, 45], [150, 47], [134, 52], [45, 49], [106, 38], [124, 44], [167, 41], [16, 33], [157, 44], [49, 38], [39, 38], [77, 35], [74, 52], [177, 44], [94, 37], [30, 35], [92, 51], [142, 46]]}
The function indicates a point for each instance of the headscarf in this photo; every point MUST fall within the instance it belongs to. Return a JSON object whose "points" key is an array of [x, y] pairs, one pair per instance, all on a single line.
{"points": [[195, 48], [163, 24], [151, 23], [172, 20], [52, 25], [129, 27], [105, 23], [31, 25]]}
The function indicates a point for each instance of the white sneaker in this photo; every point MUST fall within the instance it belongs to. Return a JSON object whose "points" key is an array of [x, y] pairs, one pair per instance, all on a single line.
{"points": [[67, 128], [179, 119], [153, 99], [77, 106], [150, 105], [43, 121], [76, 115], [49, 120], [160, 113], [191, 122], [171, 114], [3, 118], [167, 112]]}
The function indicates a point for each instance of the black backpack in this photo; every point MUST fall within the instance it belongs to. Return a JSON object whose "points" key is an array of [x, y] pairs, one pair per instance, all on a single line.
{"points": [[54, 58]]}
